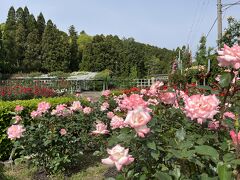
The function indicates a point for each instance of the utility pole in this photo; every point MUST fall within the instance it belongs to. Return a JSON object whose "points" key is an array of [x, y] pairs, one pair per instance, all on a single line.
{"points": [[219, 17]]}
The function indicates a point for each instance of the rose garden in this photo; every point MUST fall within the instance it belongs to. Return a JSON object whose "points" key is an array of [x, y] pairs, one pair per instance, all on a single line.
{"points": [[166, 131]]}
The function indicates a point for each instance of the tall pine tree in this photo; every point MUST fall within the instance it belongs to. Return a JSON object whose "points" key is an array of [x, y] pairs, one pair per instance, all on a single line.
{"points": [[74, 57], [9, 41], [32, 59], [201, 55], [40, 25], [54, 49], [2, 67]]}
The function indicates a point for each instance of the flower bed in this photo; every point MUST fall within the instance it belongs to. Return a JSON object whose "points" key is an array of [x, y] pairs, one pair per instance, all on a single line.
{"points": [[162, 132], [18, 92]]}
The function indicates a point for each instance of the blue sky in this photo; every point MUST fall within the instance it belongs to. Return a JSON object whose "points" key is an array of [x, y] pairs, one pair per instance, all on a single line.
{"points": [[168, 23]]}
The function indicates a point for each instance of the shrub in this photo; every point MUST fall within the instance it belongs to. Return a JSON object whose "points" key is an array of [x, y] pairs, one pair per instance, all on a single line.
{"points": [[7, 112]]}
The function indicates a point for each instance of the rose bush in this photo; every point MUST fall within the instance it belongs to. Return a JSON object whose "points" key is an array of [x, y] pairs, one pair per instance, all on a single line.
{"points": [[162, 132]]}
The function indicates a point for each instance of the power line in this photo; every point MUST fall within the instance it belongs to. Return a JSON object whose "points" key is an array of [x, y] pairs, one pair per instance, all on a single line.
{"points": [[212, 27], [198, 21], [194, 21], [231, 4]]}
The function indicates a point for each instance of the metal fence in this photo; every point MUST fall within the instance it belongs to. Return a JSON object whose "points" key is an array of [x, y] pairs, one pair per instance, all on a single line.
{"points": [[72, 86]]}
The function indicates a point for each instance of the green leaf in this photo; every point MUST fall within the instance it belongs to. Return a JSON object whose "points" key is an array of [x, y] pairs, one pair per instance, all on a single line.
{"points": [[223, 172], [204, 87], [162, 175], [235, 162], [207, 151], [180, 134], [155, 155], [225, 79], [130, 173], [229, 157], [187, 154], [204, 176], [151, 145], [143, 177]]}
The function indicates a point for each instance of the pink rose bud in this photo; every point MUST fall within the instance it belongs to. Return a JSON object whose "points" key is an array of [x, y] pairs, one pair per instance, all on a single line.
{"points": [[63, 132], [19, 108]]}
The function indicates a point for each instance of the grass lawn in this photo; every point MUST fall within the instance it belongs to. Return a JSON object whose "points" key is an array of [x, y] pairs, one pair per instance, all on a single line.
{"points": [[88, 168], [23, 172]]}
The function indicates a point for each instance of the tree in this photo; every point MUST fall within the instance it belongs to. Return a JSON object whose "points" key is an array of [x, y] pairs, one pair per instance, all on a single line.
{"points": [[32, 61], [201, 55], [231, 33], [31, 24], [74, 57], [20, 45], [40, 25], [9, 41], [55, 52], [2, 68]]}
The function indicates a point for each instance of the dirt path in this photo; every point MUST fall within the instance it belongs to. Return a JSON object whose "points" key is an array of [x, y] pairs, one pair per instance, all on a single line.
{"points": [[92, 94]]}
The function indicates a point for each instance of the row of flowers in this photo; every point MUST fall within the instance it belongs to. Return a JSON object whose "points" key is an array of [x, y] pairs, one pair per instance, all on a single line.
{"points": [[22, 92]]}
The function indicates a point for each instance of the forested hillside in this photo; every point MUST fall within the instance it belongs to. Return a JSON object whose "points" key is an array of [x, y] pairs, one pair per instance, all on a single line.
{"points": [[30, 44]]}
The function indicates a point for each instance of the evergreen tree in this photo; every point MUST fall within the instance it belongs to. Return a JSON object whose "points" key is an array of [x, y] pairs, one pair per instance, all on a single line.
{"points": [[9, 40], [40, 25], [20, 45], [31, 24], [20, 17], [32, 60], [54, 49], [74, 57], [201, 55], [2, 68]]}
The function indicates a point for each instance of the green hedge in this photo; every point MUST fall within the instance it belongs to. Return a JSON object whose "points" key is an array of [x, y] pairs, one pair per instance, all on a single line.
{"points": [[6, 109]]}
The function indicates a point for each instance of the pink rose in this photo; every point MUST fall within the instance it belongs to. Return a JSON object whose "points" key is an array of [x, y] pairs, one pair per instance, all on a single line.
{"points": [[17, 118], [143, 91], [133, 101], [19, 108], [117, 122], [87, 110], [35, 114], [201, 107], [154, 89], [168, 97], [106, 93], [235, 137], [63, 132], [141, 131], [104, 106], [218, 78], [89, 99], [110, 115], [15, 131], [138, 119], [101, 128], [229, 115], [118, 156], [76, 106], [229, 56], [78, 95], [61, 110], [43, 107], [213, 125], [153, 101]]}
